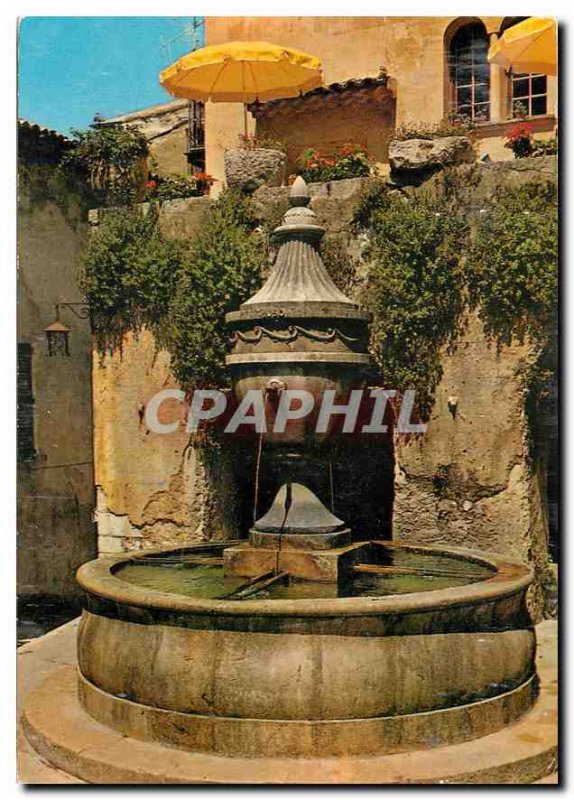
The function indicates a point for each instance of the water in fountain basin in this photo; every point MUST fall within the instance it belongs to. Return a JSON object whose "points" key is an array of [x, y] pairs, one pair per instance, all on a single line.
{"points": [[209, 582]]}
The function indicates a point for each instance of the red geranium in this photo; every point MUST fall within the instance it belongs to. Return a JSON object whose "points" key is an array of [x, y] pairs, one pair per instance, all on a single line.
{"points": [[521, 131]]}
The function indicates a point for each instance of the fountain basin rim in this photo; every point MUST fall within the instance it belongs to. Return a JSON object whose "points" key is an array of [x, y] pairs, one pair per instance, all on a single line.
{"points": [[511, 577]]}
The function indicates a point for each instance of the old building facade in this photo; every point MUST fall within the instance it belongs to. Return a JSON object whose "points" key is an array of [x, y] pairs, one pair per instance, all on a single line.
{"points": [[55, 479], [435, 66]]}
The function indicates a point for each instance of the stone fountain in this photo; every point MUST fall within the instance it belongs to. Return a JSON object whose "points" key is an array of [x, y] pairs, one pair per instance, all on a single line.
{"points": [[297, 655]]}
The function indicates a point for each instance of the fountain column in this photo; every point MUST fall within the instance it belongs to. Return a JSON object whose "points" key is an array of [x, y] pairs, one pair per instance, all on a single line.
{"points": [[298, 332]]}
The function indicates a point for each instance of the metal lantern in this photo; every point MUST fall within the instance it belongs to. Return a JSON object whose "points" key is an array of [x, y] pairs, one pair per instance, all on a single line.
{"points": [[57, 336]]}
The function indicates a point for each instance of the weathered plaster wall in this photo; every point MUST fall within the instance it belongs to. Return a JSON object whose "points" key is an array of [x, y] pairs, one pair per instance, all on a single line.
{"points": [[55, 489], [154, 489], [465, 482], [411, 48]]}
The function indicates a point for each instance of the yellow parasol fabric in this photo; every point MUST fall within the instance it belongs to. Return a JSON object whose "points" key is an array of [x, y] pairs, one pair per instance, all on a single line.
{"points": [[242, 72], [529, 46]]}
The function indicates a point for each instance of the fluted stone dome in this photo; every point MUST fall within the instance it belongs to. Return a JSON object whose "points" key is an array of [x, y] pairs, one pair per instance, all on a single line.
{"points": [[299, 283]]}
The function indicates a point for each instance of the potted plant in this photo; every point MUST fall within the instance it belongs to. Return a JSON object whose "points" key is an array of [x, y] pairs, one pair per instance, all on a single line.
{"points": [[257, 161], [175, 187], [519, 140], [346, 161]]}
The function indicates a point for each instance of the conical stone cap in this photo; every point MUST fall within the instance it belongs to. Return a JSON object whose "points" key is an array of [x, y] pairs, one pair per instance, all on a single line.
{"points": [[299, 284], [297, 510]]}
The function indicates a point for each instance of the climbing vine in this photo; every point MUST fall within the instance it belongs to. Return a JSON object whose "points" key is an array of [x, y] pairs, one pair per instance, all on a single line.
{"points": [[415, 284], [223, 270], [513, 281], [134, 276], [513, 276], [129, 274], [427, 267]]}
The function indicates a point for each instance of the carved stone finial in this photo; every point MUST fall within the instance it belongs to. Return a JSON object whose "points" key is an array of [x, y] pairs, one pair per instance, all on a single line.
{"points": [[299, 194]]}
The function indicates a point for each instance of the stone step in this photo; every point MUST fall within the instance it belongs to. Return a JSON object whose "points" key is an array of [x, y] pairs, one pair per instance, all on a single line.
{"points": [[66, 737]]}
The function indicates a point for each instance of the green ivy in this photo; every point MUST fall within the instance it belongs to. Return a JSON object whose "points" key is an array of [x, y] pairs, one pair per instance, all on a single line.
{"points": [[415, 286], [129, 274], [513, 275], [133, 276], [223, 270], [513, 282]]}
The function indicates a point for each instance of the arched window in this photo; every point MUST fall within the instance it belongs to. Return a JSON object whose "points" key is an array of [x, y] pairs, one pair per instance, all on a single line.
{"points": [[527, 92], [470, 72]]}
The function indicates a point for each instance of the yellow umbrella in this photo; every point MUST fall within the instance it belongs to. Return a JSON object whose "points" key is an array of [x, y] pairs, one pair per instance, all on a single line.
{"points": [[530, 46], [242, 72]]}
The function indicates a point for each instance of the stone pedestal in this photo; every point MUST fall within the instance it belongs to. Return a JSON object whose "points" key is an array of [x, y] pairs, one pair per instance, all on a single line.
{"points": [[298, 535], [327, 566]]}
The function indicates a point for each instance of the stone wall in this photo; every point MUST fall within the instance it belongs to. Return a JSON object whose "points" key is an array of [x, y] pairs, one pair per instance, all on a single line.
{"points": [[465, 483]]}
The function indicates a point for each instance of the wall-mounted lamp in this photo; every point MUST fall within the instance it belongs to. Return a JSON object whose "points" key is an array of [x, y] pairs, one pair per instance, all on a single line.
{"points": [[58, 334]]}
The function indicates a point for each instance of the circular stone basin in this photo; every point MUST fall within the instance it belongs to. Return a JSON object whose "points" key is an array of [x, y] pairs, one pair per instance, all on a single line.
{"points": [[381, 663]]}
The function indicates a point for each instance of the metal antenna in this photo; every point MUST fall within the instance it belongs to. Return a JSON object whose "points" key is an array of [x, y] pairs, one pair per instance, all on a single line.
{"points": [[190, 31]]}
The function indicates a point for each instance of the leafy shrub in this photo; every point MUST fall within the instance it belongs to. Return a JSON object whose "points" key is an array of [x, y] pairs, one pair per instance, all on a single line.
{"points": [[545, 147], [129, 274], [175, 187], [513, 273], [348, 161], [415, 286], [111, 159], [222, 271], [513, 281]]}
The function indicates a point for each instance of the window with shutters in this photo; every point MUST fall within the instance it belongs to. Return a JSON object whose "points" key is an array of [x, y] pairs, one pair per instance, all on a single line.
{"points": [[25, 403]]}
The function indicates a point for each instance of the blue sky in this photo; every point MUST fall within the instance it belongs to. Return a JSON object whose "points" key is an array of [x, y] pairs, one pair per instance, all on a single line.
{"points": [[70, 68]]}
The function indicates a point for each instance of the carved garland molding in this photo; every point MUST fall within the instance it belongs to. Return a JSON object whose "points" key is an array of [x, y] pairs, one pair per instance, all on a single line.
{"points": [[292, 333]]}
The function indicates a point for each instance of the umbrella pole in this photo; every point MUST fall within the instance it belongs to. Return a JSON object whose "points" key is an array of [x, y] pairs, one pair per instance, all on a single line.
{"points": [[245, 124]]}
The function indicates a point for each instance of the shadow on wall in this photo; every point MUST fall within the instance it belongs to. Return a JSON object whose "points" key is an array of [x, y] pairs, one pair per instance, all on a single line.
{"points": [[355, 481]]}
